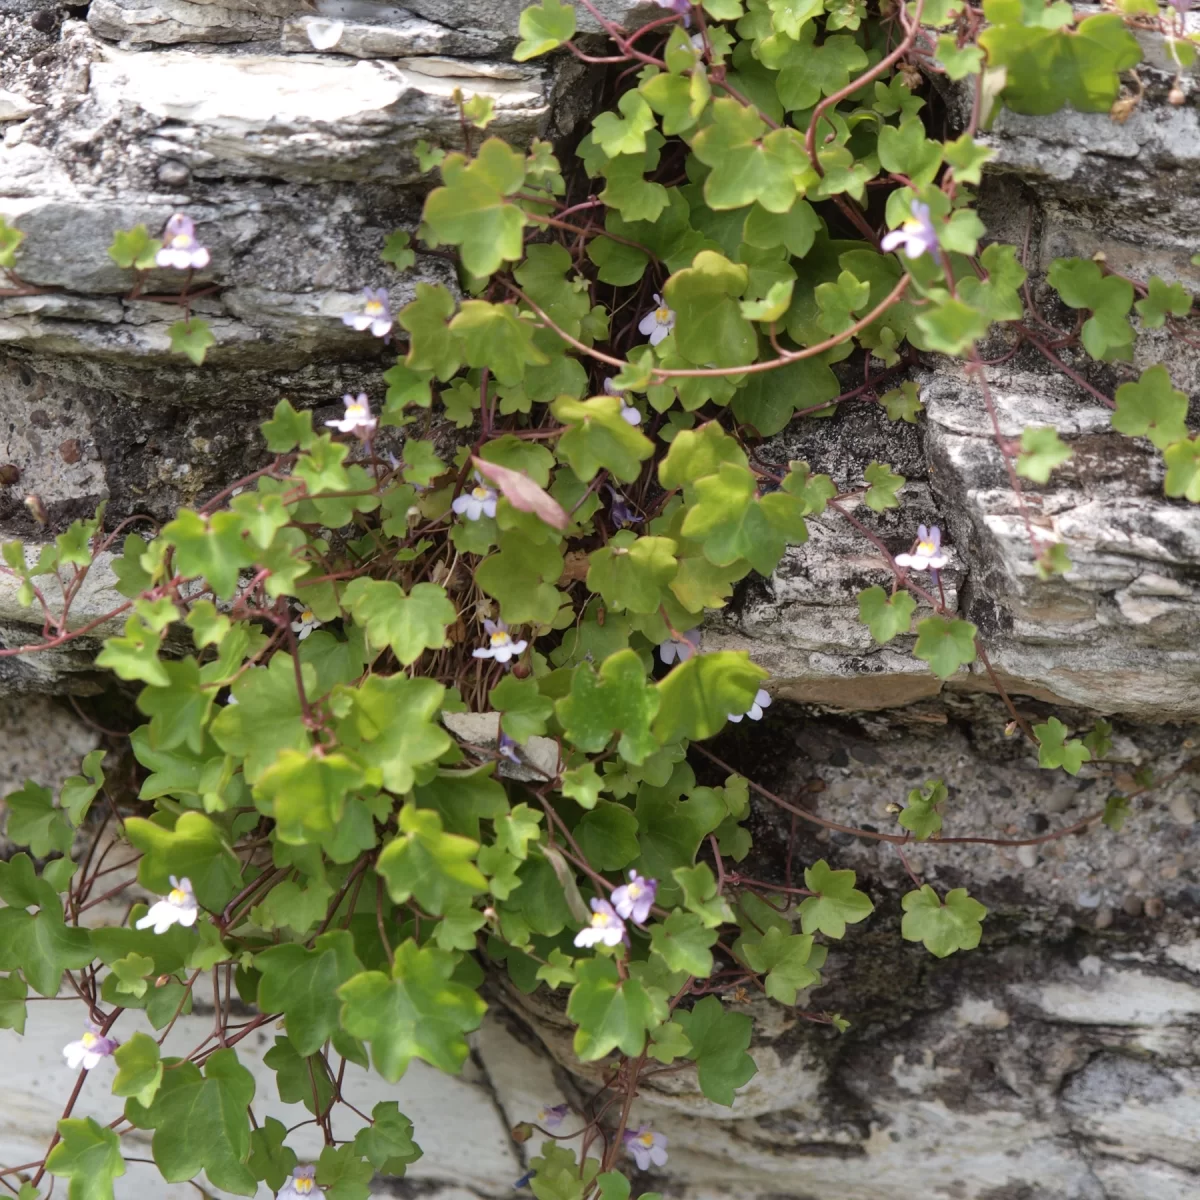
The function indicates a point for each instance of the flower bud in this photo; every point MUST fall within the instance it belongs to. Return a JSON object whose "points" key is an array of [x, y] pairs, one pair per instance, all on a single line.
{"points": [[1176, 96], [522, 1132]]}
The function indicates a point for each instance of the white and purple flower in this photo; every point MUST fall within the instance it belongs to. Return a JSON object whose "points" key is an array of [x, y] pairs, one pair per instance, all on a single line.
{"points": [[480, 501], [658, 322], [507, 748], [553, 1116], [357, 418], [376, 315], [762, 699], [90, 1049], [682, 7], [916, 235], [301, 1182], [305, 622], [680, 649], [177, 907], [501, 645], [619, 510], [605, 928], [180, 248], [928, 555], [647, 1147], [633, 900]]}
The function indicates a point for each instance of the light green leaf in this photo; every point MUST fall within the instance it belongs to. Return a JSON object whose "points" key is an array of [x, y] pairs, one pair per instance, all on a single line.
{"points": [[943, 927]]}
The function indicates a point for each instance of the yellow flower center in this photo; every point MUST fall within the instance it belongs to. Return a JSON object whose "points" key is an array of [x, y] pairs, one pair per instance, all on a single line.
{"points": [[647, 1139], [633, 891], [181, 241], [662, 315], [89, 1040], [373, 308], [356, 411], [480, 492], [302, 1186], [913, 225], [177, 896], [600, 920], [927, 549], [500, 638]]}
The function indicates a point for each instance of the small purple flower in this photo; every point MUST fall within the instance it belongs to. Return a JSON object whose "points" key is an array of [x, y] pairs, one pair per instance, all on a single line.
{"points": [[177, 907], [620, 511], [500, 645], [928, 555], [917, 235], [375, 316], [553, 1117], [682, 7], [90, 1049], [301, 1182], [680, 649], [633, 900], [180, 249], [629, 414], [1182, 7], [646, 1147], [305, 622], [658, 322], [507, 748], [480, 501], [605, 929], [762, 699], [357, 418]]}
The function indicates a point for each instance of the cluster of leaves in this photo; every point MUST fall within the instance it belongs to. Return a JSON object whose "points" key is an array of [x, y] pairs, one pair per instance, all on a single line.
{"points": [[361, 845]]}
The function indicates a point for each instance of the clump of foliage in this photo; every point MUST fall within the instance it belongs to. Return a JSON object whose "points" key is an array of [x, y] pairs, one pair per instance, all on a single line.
{"points": [[411, 719]]}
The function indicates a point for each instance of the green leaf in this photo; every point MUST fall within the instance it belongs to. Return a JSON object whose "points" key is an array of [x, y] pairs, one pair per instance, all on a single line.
{"points": [[544, 28], [611, 1013], [951, 326], [922, 817], [1163, 298], [306, 794], [697, 696], [748, 164], [943, 927], [883, 486], [209, 547], [417, 1012], [967, 157], [625, 134], [343, 1174], [684, 942], [89, 1156], [582, 785], [667, 1043], [907, 151], [959, 61], [1151, 408], [301, 983], [790, 961], [387, 1143], [497, 337], [202, 1122], [13, 991], [1041, 451], [903, 403], [192, 337], [139, 1068], [709, 327], [1055, 750], [630, 572], [135, 656], [731, 521], [814, 491], [1183, 469], [41, 945], [598, 436], [1081, 284], [945, 644], [270, 1160], [617, 699], [472, 211], [836, 903], [885, 616], [695, 453], [134, 248], [525, 710], [435, 866], [410, 624], [288, 429], [391, 728], [1099, 740], [267, 716], [607, 835], [1116, 812], [700, 895], [10, 240], [719, 1042], [809, 72], [34, 821], [195, 848]]}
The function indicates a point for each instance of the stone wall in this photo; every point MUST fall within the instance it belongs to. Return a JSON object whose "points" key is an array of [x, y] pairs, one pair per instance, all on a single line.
{"points": [[1058, 1065]]}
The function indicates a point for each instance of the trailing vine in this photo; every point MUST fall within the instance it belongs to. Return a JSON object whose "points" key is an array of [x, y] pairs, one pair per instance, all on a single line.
{"points": [[413, 719]]}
